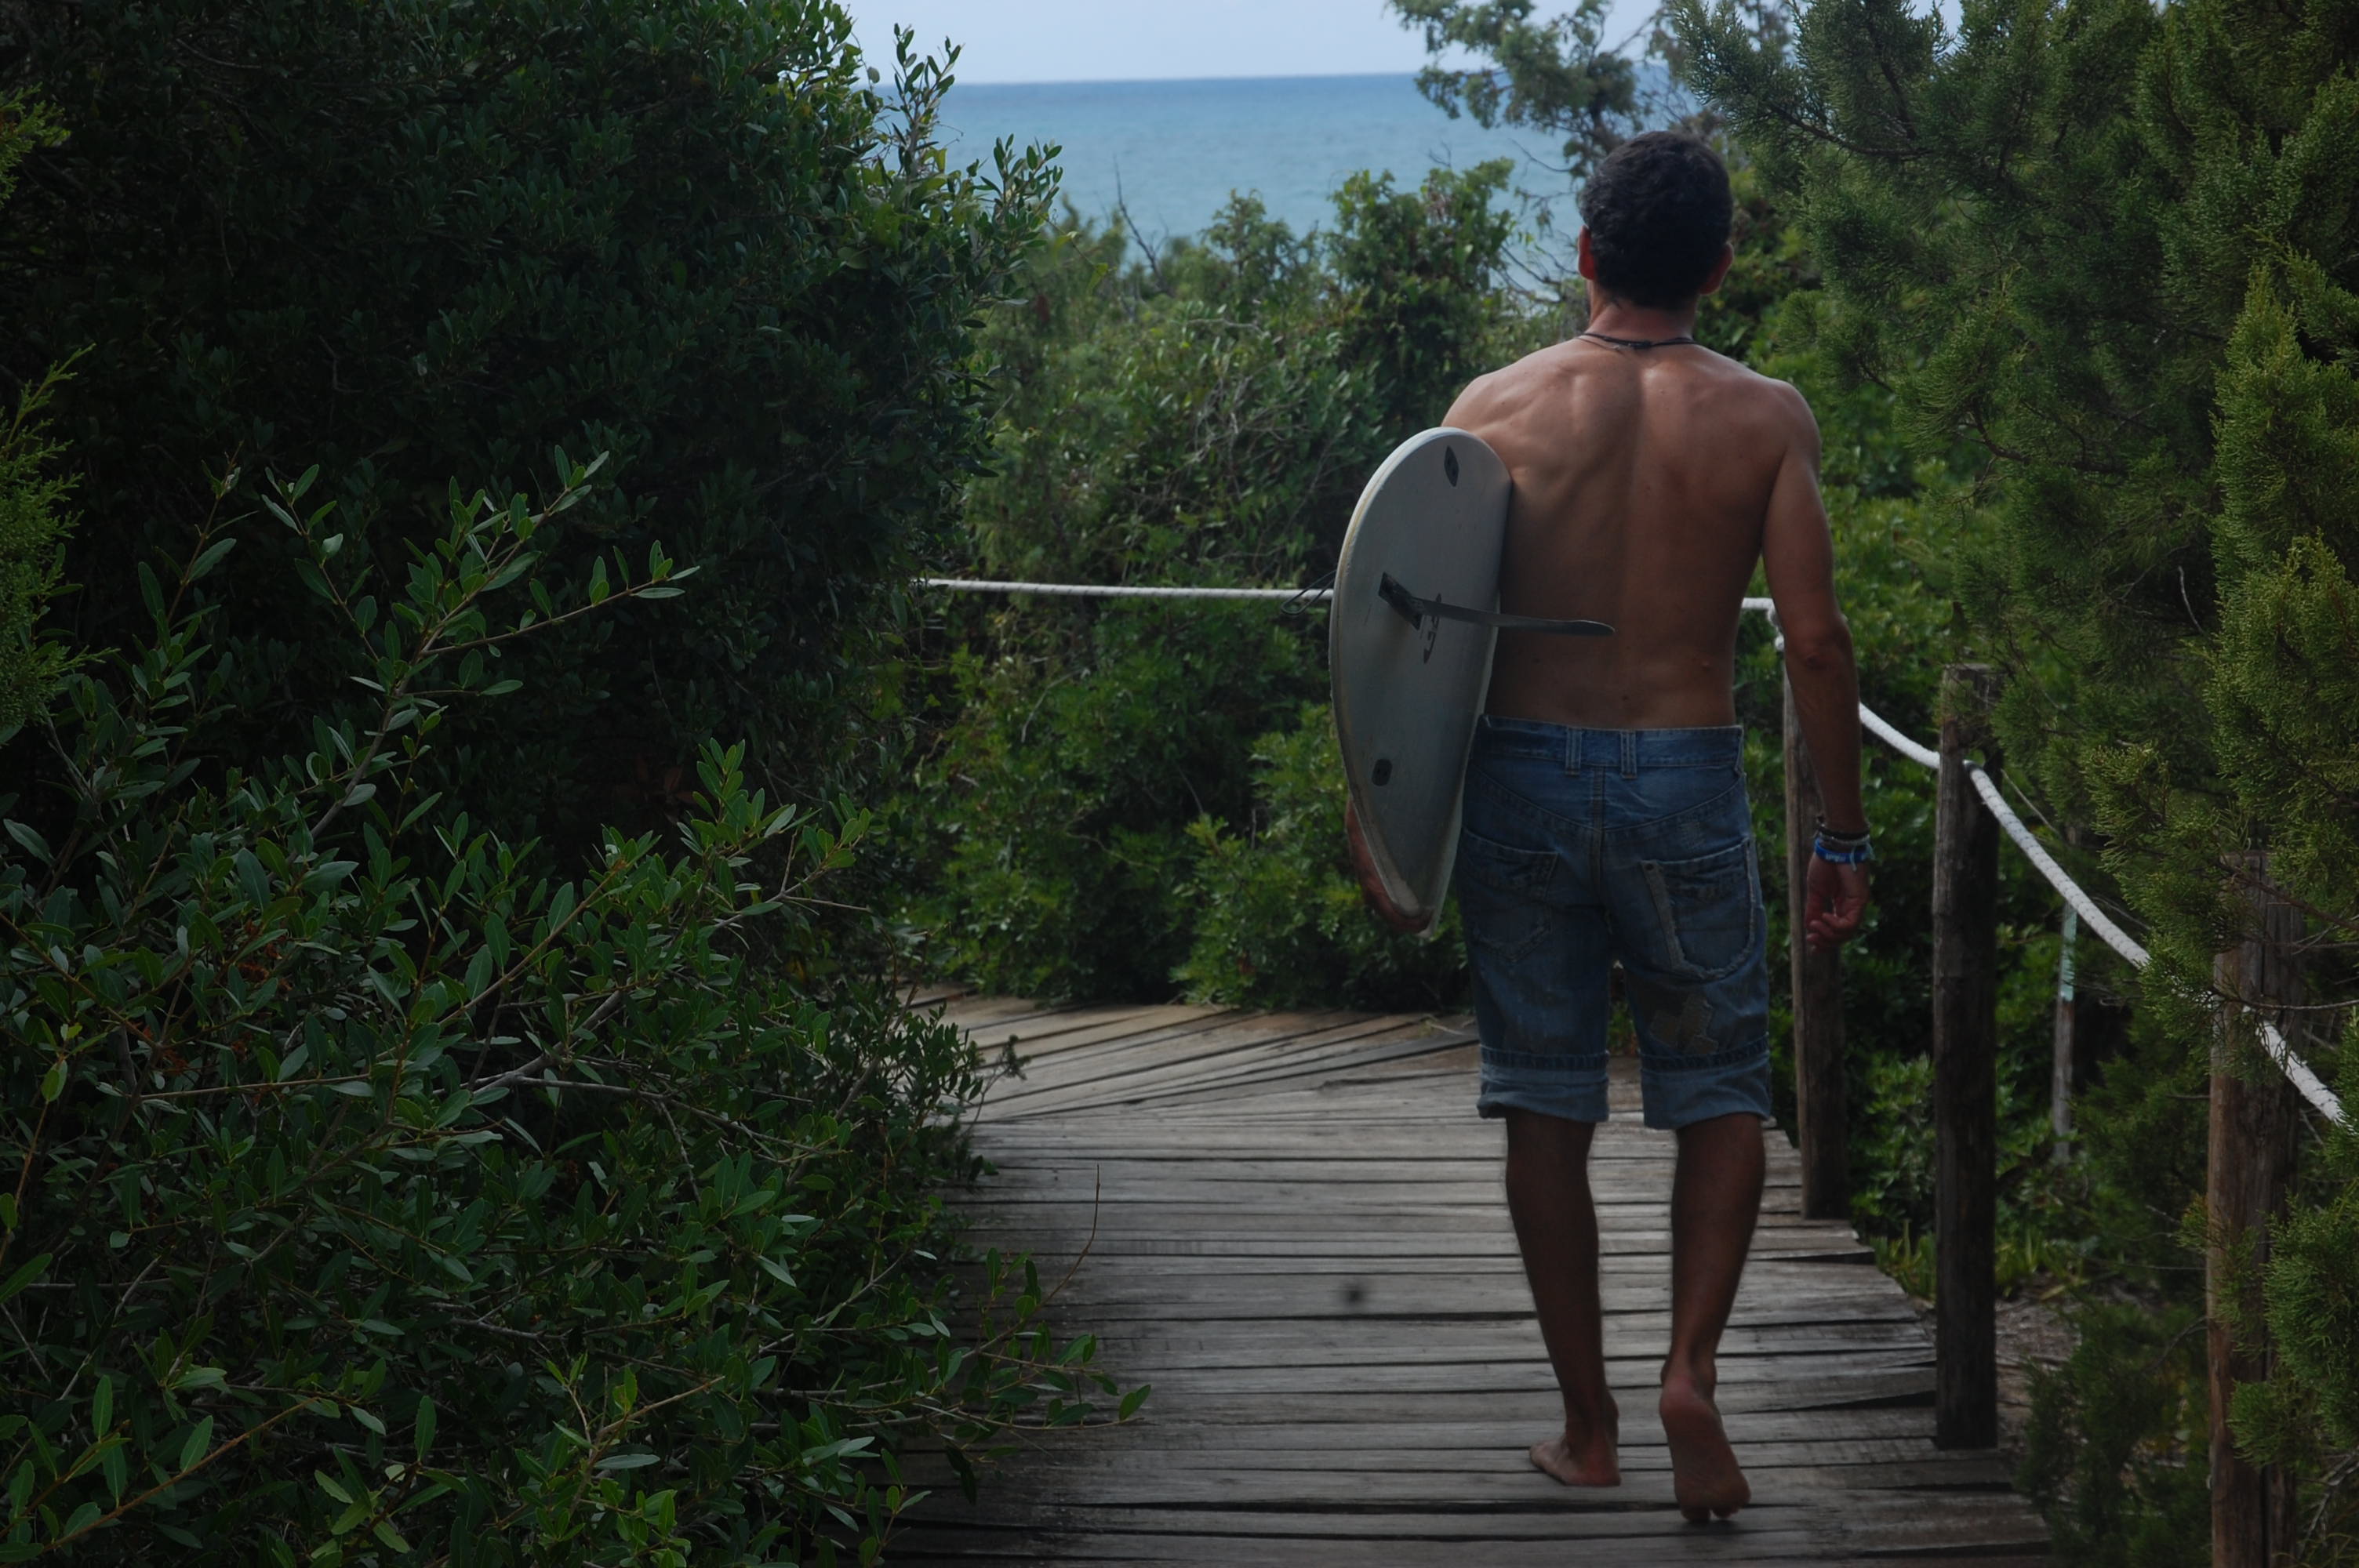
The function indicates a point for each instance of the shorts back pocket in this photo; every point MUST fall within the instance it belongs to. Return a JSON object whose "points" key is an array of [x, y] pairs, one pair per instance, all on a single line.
{"points": [[1502, 894], [1709, 910]]}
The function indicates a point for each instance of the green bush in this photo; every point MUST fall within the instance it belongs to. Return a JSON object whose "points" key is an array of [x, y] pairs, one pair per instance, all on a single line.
{"points": [[32, 530], [1059, 806], [2307, 1415], [2111, 1431], [375, 1198], [1207, 418], [1183, 420], [1419, 274], [1280, 921], [425, 237]]}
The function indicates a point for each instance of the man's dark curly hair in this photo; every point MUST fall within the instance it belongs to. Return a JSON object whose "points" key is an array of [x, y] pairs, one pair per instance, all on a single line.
{"points": [[1658, 211]]}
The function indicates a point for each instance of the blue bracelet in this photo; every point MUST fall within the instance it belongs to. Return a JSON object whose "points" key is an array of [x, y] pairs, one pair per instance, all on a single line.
{"points": [[1857, 854]]}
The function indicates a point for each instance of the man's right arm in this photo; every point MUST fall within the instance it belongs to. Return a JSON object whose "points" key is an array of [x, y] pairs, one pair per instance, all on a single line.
{"points": [[1798, 555]]}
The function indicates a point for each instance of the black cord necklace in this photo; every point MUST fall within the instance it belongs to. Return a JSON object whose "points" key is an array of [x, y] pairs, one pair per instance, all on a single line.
{"points": [[1637, 343]]}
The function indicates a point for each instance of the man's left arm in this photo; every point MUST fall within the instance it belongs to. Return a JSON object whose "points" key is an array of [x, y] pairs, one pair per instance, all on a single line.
{"points": [[1797, 557]]}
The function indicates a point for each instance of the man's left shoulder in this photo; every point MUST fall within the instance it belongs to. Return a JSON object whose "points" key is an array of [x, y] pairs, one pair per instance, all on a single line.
{"points": [[1763, 399]]}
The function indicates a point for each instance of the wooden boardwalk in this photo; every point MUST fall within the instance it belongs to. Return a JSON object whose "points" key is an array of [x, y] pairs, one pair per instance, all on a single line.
{"points": [[1300, 1242]]}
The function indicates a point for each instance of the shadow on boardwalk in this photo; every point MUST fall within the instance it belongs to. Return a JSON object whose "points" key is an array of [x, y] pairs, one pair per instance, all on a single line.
{"points": [[1302, 1244]]}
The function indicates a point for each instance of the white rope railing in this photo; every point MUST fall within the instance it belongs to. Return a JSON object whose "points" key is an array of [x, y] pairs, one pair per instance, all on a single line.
{"points": [[2299, 1072], [2096, 919], [1883, 731], [1094, 591], [2273, 1040]]}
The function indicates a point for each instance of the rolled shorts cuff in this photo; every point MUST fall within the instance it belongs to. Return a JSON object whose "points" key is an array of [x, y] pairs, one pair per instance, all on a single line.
{"points": [[1574, 1090], [1683, 1090]]}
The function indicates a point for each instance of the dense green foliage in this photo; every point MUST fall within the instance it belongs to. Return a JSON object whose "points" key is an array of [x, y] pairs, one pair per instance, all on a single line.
{"points": [[2307, 1415], [1559, 75], [376, 1198], [1276, 919], [1124, 800], [2108, 1451], [2108, 244], [32, 527], [402, 1166], [424, 238]]}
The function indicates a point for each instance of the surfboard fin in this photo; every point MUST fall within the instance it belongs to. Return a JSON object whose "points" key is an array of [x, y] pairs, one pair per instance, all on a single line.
{"points": [[1414, 611]]}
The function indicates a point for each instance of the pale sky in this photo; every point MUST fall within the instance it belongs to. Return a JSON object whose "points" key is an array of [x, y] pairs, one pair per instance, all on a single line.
{"points": [[1130, 40]]}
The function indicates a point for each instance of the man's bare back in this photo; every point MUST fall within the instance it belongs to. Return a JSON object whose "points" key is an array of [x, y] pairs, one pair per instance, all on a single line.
{"points": [[1645, 479]]}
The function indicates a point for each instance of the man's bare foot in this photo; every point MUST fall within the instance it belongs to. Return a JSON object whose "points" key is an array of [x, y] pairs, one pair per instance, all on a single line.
{"points": [[1705, 1477], [1580, 1457]]}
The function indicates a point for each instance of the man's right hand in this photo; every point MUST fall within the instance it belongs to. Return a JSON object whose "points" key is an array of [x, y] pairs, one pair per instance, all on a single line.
{"points": [[1835, 901]]}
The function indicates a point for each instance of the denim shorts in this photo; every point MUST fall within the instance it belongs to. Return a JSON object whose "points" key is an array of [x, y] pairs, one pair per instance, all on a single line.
{"points": [[1581, 848]]}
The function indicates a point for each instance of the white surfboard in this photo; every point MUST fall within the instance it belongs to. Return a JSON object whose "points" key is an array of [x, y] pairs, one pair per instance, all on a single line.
{"points": [[1410, 634]]}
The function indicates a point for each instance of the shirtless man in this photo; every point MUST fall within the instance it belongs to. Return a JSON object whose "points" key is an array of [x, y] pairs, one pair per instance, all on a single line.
{"points": [[1605, 814]]}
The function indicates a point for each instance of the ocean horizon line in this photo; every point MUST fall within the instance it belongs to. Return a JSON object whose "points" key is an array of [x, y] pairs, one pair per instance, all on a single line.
{"points": [[958, 81]]}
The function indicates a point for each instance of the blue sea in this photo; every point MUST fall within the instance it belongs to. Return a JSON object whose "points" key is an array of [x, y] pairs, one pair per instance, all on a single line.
{"points": [[1174, 151]]}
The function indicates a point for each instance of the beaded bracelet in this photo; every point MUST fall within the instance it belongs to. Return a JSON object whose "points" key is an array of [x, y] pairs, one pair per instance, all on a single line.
{"points": [[1841, 854]]}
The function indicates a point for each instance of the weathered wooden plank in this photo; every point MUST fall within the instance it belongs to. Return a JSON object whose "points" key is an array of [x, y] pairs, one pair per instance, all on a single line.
{"points": [[1307, 1193], [1509, 1482], [1911, 1386], [1230, 1025], [1410, 1382], [973, 1013], [1629, 1265], [1597, 1516], [1146, 1258], [1032, 1032], [1177, 1433], [1109, 1545], [1434, 1294], [1380, 1255], [1139, 1476], [1200, 1077], [1330, 1141], [1165, 1061], [1353, 1343], [1081, 1035]]}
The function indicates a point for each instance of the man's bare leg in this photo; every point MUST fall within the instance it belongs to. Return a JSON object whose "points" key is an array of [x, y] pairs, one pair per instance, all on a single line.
{"points": [[1555, 1227], [1715, 1201]]}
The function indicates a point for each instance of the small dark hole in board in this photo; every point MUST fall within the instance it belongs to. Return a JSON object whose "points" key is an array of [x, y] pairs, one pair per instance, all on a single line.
{"points": [[1450, 463], [1384, 770]]}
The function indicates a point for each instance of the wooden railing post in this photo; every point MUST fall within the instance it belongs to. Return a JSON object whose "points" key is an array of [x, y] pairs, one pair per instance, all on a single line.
{"points": [[1819, 1127], [2256, 1123], [1965, 1048]]}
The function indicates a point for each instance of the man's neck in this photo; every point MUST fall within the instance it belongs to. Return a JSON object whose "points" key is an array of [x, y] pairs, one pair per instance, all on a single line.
{"points": [[1613, 318]]}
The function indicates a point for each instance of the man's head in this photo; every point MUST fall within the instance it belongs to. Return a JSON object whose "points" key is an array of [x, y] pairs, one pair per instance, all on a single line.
{"points": [[1657, 212]]}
